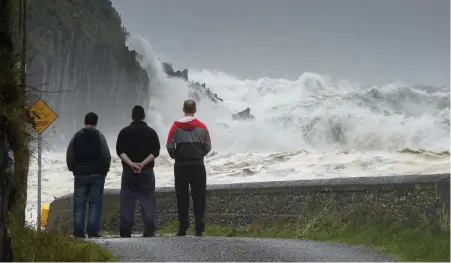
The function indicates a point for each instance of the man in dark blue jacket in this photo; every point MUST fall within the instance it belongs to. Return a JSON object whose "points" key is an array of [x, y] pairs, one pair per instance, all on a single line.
{"points": [[88, 158]]}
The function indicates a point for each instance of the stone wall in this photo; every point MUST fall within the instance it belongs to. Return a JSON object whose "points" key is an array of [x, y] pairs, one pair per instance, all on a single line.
{"points": [[407, 199]]}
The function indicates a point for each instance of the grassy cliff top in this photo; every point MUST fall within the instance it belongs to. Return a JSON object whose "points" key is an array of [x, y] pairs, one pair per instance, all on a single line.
{"points": [[95, 21]]}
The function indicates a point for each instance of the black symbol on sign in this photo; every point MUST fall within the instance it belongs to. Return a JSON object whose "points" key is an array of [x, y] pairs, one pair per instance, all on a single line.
{"points": [[41, 123], [35, 115]]}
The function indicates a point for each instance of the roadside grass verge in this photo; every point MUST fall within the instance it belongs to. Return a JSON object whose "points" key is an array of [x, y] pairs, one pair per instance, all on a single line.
{"points": [[30, 245], [406, 243]]}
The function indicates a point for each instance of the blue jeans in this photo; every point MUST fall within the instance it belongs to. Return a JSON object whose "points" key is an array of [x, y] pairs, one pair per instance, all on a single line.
{"points": [[88, 188]]}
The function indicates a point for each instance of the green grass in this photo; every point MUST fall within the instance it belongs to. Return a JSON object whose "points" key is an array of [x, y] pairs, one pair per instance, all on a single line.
{"points": [[32, 246], [405, 243]]}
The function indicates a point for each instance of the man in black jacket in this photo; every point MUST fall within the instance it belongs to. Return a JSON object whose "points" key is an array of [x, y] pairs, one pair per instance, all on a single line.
{"points": [[88, 158], [137, 145], [188, 143]]}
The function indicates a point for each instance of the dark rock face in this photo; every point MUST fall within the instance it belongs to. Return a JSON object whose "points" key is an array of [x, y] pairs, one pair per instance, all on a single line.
{"points": [[244, 115], [81, 77], [198, 91], [175, 74]]}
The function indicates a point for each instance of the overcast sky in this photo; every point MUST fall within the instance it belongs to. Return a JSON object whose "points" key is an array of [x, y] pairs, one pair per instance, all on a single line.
{"points": [[371, 41]]}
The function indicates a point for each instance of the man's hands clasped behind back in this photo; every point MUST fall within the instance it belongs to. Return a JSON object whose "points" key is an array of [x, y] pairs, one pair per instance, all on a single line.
{"points": [[137, 167]]}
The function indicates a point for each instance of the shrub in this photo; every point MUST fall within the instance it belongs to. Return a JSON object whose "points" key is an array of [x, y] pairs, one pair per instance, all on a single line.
{"points": [[47, 246]]}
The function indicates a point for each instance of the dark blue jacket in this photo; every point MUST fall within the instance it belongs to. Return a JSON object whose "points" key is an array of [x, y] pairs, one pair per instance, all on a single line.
{"points": [[88, 153]]}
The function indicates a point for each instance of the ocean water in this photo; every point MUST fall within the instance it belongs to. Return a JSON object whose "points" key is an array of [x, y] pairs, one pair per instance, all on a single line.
{"points": [[308, 128]]}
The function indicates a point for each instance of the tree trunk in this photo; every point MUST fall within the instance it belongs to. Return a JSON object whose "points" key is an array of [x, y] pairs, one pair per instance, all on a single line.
{"points": [[6, 171], [8, 106], [18, 194], [12, 87]]}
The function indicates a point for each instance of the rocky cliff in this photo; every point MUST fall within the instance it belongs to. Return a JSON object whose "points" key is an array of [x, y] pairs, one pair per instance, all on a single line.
{"points": [[78, 57], [198, 91]]}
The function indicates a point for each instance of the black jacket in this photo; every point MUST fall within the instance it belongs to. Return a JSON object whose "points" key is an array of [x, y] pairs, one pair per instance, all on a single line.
{"points": [[88, 153], [138, 141]]}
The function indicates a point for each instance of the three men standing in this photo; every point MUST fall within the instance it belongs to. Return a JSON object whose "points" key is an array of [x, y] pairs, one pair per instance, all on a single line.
{"points": [[88, 157], [138, 145], [188, 143]]}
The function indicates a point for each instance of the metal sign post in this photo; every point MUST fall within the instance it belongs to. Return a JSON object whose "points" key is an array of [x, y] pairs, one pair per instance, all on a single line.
{"points": [[38, 223], [43, 116]]}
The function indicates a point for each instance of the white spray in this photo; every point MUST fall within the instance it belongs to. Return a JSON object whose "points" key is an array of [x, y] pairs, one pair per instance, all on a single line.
{"points": [[313, 113]]}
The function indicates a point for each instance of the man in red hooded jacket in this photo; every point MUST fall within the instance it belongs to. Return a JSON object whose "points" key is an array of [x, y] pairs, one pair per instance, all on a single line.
{"points": [[188, 143]]}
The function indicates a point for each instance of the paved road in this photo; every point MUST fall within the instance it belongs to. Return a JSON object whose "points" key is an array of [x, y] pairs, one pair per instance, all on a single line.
{"points": [[217, 249]]}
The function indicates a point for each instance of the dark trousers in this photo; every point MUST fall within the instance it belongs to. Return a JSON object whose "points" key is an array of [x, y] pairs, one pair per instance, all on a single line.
{"points": [[88, 188], [196, 177], [137, 187]]}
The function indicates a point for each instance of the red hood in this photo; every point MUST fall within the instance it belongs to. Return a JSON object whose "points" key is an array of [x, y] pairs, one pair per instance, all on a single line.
{"points": [[188, 125]]}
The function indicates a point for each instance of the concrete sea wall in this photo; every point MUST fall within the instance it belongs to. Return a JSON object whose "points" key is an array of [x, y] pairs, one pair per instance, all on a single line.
{"points": [[405, 199]]}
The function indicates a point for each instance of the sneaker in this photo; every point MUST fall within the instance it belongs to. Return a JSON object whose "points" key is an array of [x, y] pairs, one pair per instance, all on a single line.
{"points": [[198, 234]]}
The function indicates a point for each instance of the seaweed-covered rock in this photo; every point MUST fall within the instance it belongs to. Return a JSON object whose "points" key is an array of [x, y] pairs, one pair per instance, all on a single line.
{"points": [[169, 70], [244, 115], [197, 91]]}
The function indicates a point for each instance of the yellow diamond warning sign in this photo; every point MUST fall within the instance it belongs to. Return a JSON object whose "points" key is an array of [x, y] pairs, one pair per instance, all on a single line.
{"points": [[42, 115]]}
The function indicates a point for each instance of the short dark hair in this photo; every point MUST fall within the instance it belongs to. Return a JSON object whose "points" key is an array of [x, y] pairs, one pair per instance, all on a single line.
{"points": [[91, 119], [189, 106], [138, 113]]}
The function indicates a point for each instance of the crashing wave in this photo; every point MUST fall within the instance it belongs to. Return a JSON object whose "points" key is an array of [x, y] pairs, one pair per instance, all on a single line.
{"points": [[313, 112]]}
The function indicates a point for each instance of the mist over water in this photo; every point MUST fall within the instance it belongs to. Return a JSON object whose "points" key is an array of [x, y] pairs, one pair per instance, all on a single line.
{"points": [[313, 113]]}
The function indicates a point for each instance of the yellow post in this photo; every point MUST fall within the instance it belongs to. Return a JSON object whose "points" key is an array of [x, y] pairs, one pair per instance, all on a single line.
{"points": [[45, 214]]}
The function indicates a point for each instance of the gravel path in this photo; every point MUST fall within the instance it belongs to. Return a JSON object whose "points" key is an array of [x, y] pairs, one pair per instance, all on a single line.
{"points": [[189, 248]]}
